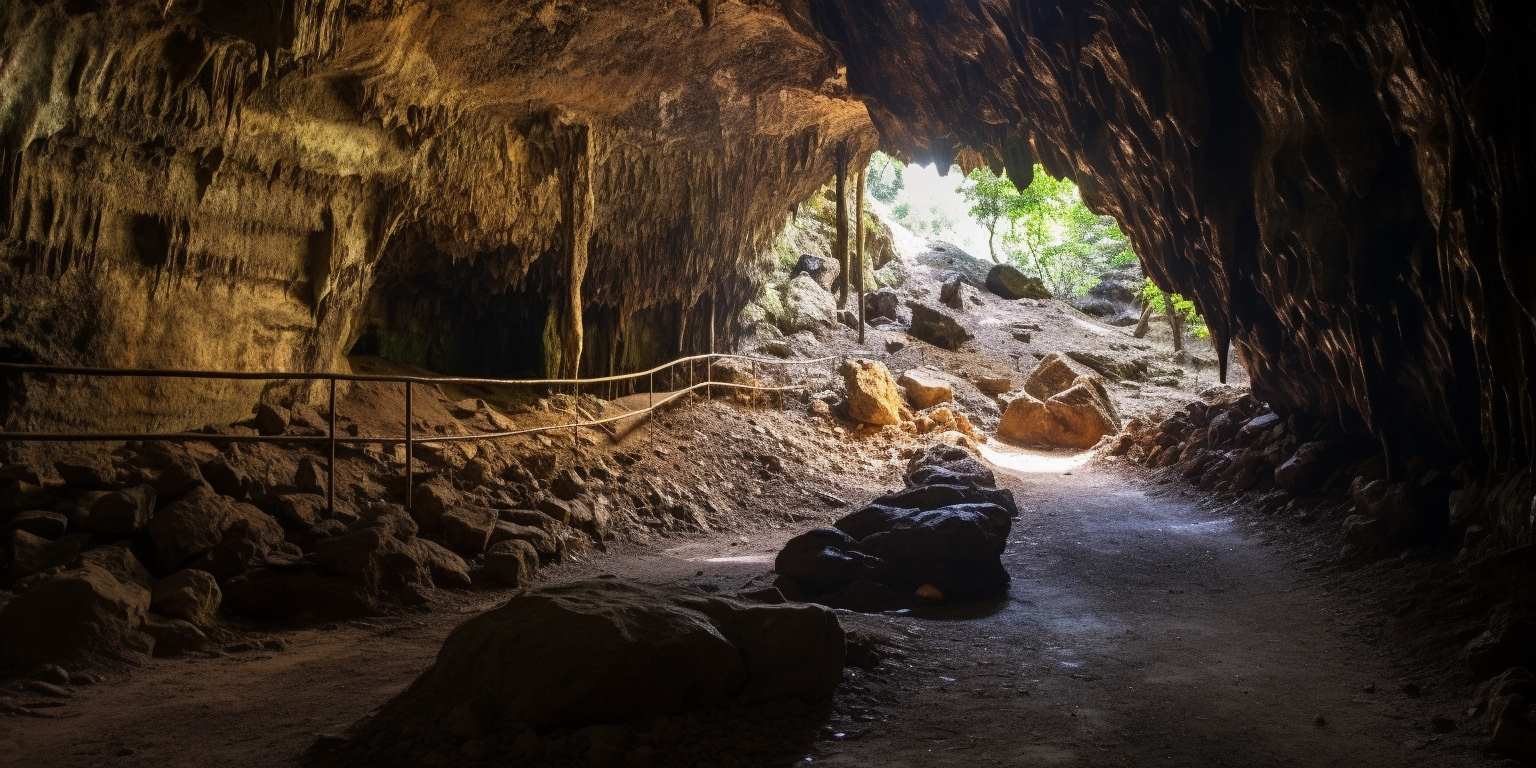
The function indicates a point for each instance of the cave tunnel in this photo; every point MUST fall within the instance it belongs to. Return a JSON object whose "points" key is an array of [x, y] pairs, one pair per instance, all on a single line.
{"points": [[1195, 426]]}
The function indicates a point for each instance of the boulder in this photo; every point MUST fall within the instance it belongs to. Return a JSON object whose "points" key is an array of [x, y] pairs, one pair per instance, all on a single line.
{"points": [[429, 501], [546, 544], [936, 326], [28, 553], [311, 476], [190, 595], [957, 549], [467, 530], [78, 617], [924, 388], [950, 291], [1007, 281], [121, 514], [175, 637], [118, 561], [299, 511], [86, 475], [447, 568], [1051, 375], [994, 385], [511, 563], [1306, 470], [41, 522], [881, 303], [200, 521], [823, 271], [391, 518], [872, 394], [609, 651], [225, 477], [1077, 417], [270, 419], [958, 467], [807, 306], [823, 559], [568, 485]]}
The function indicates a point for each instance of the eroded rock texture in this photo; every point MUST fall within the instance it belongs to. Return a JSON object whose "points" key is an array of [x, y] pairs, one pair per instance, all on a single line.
{"points": [[1339, 185], [475, 186]]}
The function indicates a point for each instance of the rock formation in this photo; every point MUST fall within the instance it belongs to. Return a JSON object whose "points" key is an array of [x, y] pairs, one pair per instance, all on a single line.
{"points": [[587, 186]]}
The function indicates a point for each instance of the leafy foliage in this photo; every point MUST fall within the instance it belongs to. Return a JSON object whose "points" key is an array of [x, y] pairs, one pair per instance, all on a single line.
{"points": [[1153, 296], [1046, 230], [883, 178]]}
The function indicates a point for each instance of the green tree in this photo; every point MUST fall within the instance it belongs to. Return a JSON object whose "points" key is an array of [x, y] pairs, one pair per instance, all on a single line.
{"points": [[883, 178], [995, 203]]}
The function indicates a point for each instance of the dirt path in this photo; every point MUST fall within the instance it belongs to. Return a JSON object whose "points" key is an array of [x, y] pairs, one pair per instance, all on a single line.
{"points": [[1138, 631]]}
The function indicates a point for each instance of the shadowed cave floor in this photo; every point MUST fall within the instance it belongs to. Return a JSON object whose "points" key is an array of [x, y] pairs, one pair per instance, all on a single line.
{"points": [[1140, 629]]}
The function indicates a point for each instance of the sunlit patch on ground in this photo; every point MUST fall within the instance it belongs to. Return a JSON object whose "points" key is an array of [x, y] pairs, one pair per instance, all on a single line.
{"points": [[1028, 461]]}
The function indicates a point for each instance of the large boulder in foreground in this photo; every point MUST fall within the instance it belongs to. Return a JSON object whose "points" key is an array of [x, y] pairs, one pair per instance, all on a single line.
{"points": [[1008, 282], [610, 651], [937, 326], [873, 397], [79, 617], [1077, 417]]}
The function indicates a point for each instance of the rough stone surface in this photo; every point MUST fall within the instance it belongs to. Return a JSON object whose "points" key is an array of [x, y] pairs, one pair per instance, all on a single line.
{"points": [[1007, 281], [936, 326], [190, 595], [531, 661], [199, 522], [1051, 375], [1077, 417], [78, 617], [924, 388], [872, 394]]}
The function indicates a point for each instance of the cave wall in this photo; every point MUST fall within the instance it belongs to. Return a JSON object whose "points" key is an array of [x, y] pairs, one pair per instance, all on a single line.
{"points": [[256, 185], [1340, 186]]}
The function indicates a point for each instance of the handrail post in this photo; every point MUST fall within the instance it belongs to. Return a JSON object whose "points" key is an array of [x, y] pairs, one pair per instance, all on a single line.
{"points": [[410, 448], [709, 376], [330, 467]]}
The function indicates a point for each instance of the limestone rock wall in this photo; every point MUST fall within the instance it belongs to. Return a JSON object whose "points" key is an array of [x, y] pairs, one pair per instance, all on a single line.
{"points": [[1341, 186], [261, 185]]}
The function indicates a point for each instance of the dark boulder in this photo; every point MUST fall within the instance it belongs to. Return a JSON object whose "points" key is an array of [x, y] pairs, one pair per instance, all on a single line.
{"points": [[935, 495], [824, 559], [936, 326], [957, 549], [1007, 281], [823, 271], [609, 651]]}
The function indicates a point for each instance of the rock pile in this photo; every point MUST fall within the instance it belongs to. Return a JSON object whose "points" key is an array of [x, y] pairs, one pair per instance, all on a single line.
{"points": [[873, 397], [939, 538], [601, 652]]}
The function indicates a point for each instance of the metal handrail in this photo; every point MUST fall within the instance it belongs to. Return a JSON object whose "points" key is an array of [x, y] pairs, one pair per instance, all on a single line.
{"points": [[332, 439]]}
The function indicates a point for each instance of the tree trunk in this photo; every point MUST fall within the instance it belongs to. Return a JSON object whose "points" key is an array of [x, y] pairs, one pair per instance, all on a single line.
{"points": [[991, 238], [1145, 324], [858, 248], [1174, 324], [840, 245]]}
